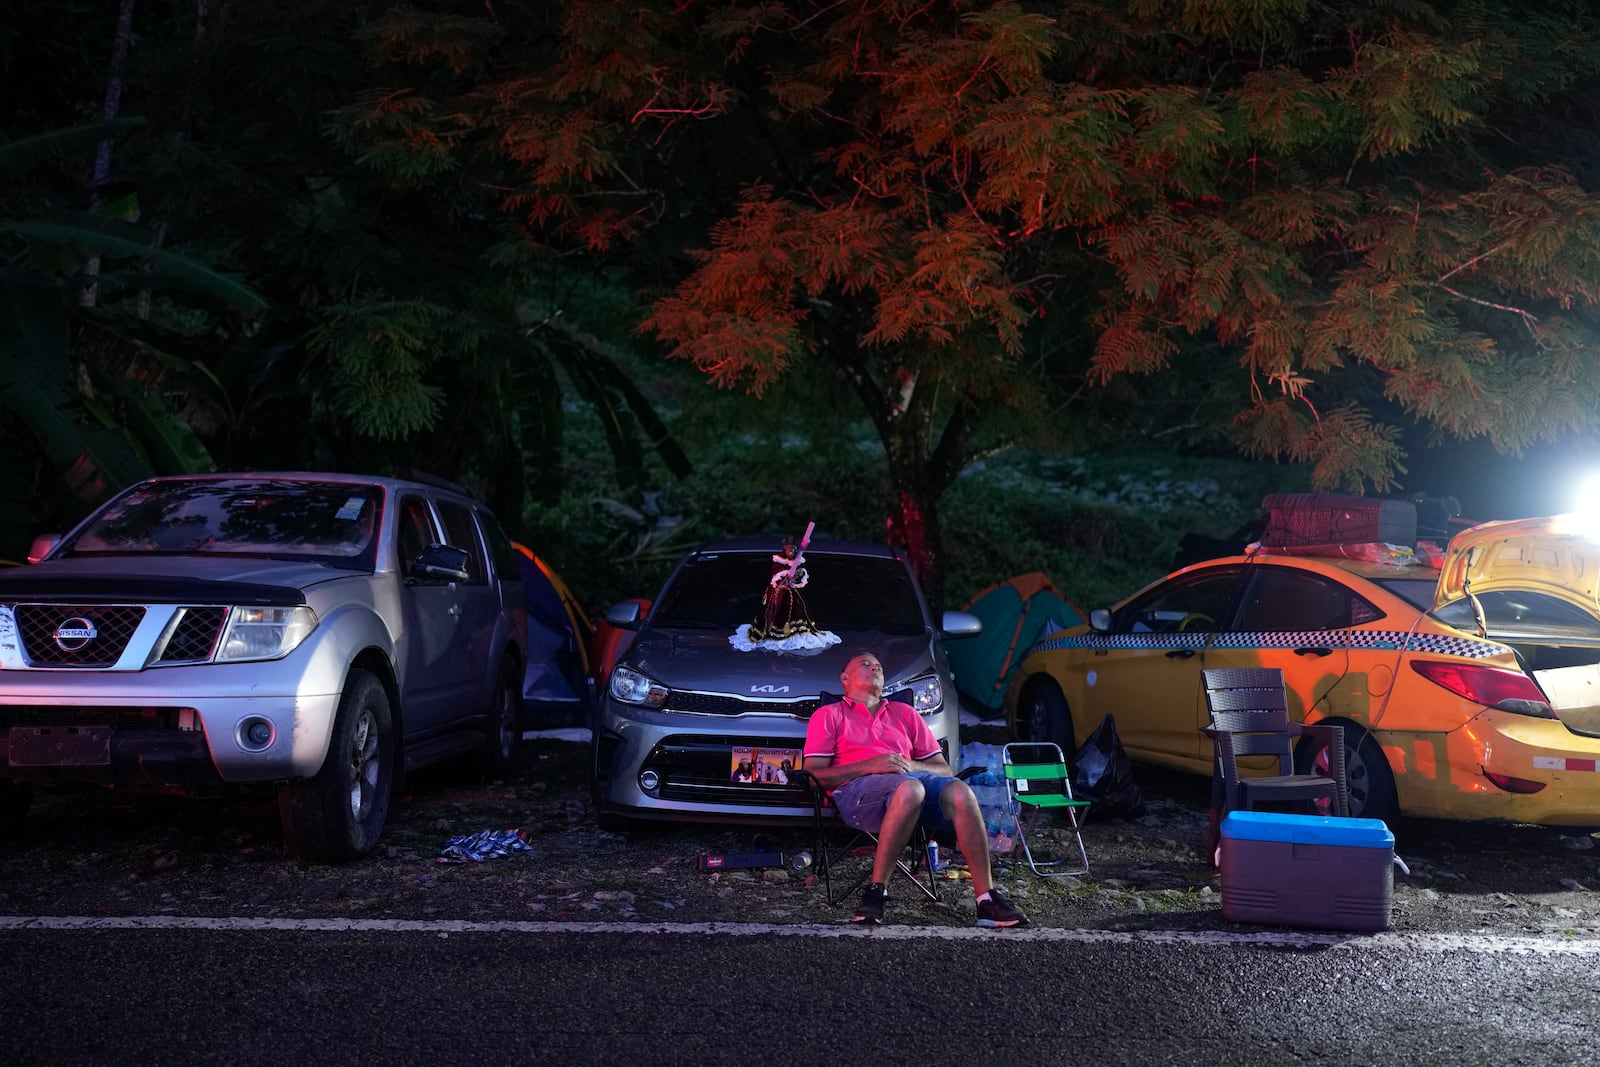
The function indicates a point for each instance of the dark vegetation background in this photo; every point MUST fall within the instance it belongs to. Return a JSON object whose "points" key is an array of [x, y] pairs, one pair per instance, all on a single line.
{"points": [[523, 246], [1099, 523]]}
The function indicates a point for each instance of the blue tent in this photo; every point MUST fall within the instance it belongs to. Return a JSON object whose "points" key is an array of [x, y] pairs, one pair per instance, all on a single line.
{"points": [[1015, 614], [557, 688]]}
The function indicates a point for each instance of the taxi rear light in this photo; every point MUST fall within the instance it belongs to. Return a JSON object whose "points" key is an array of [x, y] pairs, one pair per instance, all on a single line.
{"points": [[1513, 785], [1493, 687]]}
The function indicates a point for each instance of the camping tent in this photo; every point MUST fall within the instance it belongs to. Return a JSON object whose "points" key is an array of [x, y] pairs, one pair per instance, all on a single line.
{"points": [[1015, 613], [556, 686]]}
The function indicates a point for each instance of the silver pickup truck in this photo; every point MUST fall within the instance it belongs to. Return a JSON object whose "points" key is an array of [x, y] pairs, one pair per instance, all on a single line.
{"points": [[319, 634]]}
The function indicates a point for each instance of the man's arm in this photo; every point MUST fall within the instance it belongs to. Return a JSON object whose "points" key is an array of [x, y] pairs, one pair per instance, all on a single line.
{"points": [[832, 776]]}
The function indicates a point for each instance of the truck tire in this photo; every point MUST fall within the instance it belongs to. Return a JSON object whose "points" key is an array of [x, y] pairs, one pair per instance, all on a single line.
{"points": [[338, 814], [502, 759]]}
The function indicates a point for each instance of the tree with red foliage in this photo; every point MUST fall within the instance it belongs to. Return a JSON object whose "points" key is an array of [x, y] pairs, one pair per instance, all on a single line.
{"points": [[1338, 217]]}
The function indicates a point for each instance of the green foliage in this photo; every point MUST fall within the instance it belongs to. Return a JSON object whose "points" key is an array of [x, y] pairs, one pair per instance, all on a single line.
{"points": [[1100, 526], [1271, 201], [373, 355]]}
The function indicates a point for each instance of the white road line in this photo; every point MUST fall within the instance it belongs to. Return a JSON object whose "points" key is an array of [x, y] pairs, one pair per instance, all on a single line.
{"points": [[1481, 943]]}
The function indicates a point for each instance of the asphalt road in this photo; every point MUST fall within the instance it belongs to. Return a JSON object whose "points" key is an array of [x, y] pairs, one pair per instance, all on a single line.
{"points": [[180, 933], [661, 995]]}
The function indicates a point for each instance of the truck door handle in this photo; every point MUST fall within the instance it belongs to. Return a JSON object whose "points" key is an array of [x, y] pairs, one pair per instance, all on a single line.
{"points": [[1180, 653], [454, 609], [1313, 651]]}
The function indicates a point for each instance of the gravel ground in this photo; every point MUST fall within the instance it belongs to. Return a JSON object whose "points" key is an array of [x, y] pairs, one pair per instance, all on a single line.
{"points": [[108, 854]]}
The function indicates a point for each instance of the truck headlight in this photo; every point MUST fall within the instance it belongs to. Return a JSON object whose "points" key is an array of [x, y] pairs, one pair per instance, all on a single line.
{"points": [[264, 633]]}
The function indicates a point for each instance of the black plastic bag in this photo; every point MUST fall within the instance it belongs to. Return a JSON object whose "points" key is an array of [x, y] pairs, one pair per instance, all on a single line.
{"points": [[1102, 774]]}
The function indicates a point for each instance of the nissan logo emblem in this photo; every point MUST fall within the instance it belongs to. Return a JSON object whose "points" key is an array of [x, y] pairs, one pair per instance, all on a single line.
{"points": [[73, 634]]}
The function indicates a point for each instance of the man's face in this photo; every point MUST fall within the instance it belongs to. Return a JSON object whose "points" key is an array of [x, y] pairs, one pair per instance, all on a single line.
{"points": [[863, 676]]}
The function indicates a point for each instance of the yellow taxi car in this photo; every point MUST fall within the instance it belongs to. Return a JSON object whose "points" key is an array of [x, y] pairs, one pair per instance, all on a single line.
{"points": [[1467, 691]]}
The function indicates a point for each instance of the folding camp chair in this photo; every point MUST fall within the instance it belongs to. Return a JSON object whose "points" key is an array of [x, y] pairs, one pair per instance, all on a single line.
{"points": [[1036, 782], [832, 849]]}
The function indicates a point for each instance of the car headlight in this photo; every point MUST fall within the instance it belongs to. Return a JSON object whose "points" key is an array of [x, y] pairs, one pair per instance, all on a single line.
{"points": [[631, 687], [264, 633], [927, 695]]}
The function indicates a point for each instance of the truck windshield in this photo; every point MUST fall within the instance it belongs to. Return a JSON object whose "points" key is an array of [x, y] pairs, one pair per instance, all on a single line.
{"points": [[321, 521]]}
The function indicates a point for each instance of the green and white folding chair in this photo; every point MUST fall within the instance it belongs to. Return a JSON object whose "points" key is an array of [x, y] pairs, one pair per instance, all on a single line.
{"points": [[1037, 781]]}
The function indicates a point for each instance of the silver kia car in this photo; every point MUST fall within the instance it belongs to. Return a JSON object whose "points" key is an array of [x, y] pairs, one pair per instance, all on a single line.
{"points": [[701, 723], [316, 634]]}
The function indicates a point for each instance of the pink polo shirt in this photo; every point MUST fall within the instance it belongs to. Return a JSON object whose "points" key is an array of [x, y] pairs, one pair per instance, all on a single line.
{"points": [[848, 733]]}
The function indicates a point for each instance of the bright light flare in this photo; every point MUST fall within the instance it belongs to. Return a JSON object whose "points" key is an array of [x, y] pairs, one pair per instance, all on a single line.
{"points": [[1586, 500]]}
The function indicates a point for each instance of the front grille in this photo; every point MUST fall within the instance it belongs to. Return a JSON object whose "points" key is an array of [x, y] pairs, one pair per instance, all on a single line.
{"points": [[715, 704], [194, 637], [113, 624], [118, 718], [697, 770]]}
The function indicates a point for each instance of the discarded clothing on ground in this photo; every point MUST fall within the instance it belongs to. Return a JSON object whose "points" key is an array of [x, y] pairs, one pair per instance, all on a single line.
{"points": [[484, 845]]}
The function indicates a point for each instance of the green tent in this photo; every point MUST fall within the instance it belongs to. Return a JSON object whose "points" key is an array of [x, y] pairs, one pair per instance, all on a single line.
{"points": [[1015, 613]]}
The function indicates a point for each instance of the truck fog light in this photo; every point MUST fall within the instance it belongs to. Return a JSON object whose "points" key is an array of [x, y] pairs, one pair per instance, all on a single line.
{"points": [[649, 781], [255, 733]]}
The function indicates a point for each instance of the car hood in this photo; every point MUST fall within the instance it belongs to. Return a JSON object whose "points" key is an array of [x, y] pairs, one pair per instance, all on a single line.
{"points": [[703, 661], [1558, 556], [111, 574]]}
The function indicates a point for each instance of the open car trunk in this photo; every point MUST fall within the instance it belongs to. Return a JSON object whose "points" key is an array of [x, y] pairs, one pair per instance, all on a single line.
{"points": [[1534, 584]]}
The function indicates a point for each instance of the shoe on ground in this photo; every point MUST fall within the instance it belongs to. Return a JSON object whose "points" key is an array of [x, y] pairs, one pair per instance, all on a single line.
{"points": [[871, 910], [997, 911]]}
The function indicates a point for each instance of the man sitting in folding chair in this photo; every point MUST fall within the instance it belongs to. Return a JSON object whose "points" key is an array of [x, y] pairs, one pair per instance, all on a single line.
{"points": [[885, 772]]}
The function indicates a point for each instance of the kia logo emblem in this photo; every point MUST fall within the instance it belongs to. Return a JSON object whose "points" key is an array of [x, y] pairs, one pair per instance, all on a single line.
{"points": [[73, 634]]}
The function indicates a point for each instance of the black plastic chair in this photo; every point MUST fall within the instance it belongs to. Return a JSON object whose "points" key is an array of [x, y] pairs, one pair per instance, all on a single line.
{"points": [[1250, 717]]}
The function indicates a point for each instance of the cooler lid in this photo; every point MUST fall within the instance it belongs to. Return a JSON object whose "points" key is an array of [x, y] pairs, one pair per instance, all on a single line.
{"points": [[1306, 829]]}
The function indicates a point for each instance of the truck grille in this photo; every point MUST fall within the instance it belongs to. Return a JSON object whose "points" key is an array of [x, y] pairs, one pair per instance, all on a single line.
{"points": [[40, 626], [117, 718], [194, 638]]}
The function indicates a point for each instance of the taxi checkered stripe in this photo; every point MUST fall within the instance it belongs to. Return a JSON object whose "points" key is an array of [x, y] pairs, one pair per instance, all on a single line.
{"points": [[1386, 640]]}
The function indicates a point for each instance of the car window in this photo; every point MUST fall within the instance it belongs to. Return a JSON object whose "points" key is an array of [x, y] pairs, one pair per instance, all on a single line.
{"points": [[416, 531], [323, 521], [1279, 598], [462, 532], [843, 593], [1418, 592], [1513, 613], [500, 550], [1192, 603]]}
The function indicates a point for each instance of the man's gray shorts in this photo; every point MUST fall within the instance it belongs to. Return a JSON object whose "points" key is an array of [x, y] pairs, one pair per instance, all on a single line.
{"points": [[861, 802]]}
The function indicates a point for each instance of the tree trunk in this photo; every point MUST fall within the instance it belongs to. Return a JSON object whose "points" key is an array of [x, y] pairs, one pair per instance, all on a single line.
{"points": [[121, 44], [919, 472], [913, 525]]}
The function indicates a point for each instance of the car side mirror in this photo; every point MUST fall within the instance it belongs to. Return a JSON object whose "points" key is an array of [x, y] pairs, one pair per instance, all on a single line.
{"points": [[443, 563], [960, 624], [42, 546], [1100, 620], [624, 614]]}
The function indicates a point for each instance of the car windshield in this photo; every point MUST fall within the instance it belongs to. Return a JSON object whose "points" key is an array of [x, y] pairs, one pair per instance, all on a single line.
{"points": [[318, 521], [844, 593]]}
